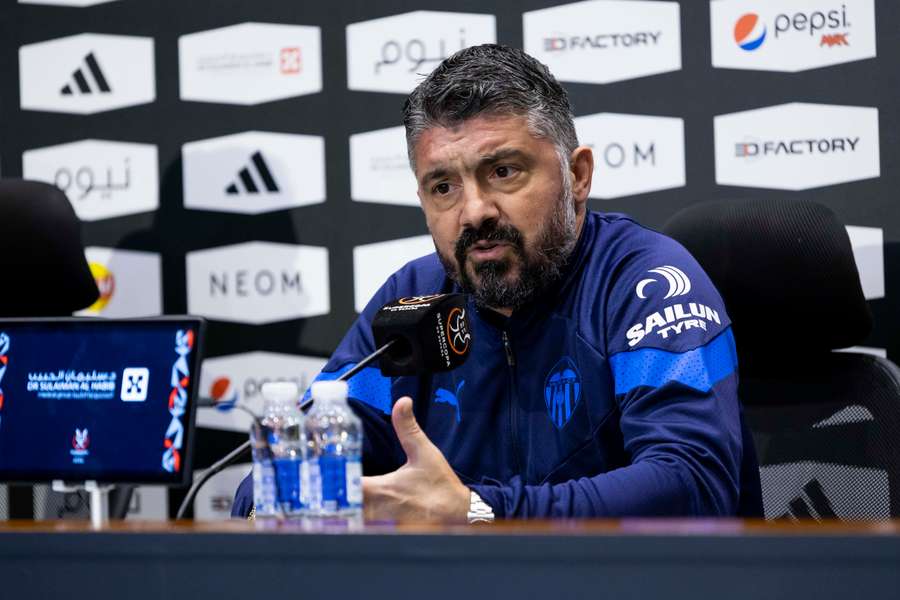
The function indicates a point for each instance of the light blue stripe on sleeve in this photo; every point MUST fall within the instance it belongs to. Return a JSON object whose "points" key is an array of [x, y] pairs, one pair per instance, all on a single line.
{"points": [[700, 368], [368, 386]]}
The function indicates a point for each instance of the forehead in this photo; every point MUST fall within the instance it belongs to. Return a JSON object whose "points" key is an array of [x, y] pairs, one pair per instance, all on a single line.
{"points": [[473, 139]]}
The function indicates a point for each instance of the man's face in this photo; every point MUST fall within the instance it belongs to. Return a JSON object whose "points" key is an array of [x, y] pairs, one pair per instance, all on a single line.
{"points": [[502, 217]]}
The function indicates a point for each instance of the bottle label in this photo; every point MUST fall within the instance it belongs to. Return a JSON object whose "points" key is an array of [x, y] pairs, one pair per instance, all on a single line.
{"points": [[334, 482], [287, 473], [309, 481], [354, 483], [264, 488]]}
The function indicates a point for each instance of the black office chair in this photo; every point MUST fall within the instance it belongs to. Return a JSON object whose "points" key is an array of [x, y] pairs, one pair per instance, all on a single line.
{"points": [[42, 266], [43, 273], [826, 424]]}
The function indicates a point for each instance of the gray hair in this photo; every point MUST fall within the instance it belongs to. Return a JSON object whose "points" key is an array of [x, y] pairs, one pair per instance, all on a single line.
{"points": [[491, 79]]}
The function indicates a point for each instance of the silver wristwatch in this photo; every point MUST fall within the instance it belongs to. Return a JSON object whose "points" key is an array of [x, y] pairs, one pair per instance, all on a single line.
{"points": [[479, 511]]}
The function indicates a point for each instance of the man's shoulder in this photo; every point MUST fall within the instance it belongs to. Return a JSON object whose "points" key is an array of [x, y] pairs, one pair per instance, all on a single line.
{"points": [[621, 236], [622, 246], [641, 276], [420, 276]]}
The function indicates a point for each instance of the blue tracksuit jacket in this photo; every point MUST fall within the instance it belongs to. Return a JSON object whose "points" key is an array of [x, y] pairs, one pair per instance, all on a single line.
{"points": [[614, 394]]}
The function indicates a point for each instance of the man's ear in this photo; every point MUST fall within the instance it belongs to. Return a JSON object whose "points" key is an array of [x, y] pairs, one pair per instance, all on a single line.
{"points": [[581, 164]]}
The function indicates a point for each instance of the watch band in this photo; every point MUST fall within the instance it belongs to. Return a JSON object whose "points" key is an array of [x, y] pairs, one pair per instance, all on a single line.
{"points": [[479, 510]]}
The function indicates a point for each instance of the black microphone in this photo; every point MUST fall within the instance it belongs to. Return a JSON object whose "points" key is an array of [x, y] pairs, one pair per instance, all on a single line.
{"points": [[424, 334], [414, 335]]}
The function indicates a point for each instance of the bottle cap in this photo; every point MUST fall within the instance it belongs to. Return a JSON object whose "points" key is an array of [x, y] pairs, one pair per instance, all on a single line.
{"points": [[328, 391], [280, 391]]}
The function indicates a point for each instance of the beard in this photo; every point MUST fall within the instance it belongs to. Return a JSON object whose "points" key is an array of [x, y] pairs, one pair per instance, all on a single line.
{"points": [[494, 283]]}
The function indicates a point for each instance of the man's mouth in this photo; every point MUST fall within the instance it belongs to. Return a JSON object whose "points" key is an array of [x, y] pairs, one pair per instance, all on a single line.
{"points": [[488, 250]]}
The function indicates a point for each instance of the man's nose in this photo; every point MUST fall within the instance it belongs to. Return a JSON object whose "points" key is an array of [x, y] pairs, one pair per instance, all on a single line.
{"points": [[478, 207]]}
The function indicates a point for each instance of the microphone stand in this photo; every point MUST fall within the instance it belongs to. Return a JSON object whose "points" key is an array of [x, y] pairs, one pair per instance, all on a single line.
{"points": [[218, 466]]}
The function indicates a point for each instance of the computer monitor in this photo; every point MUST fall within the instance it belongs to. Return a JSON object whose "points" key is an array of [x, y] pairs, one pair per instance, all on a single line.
{"points": [[98, 400]]}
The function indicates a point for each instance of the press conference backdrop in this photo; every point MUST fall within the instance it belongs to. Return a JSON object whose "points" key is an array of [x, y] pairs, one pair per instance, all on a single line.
{"points": [[244, 161]]}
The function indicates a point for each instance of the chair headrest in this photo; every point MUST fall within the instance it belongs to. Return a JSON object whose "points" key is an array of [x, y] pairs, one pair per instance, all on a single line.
{"points": [[785, 270], [43, 271]]}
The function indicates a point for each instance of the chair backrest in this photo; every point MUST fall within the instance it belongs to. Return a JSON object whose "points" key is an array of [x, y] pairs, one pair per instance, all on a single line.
{"points": [[826, 424], [43, 269]]}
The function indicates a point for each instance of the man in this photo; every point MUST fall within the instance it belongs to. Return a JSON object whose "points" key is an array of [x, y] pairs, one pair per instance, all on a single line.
{"points": [[602, 381]]}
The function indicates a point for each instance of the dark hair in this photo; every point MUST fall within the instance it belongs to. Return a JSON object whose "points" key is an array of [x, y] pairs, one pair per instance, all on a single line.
{"points": [[491, 79]]}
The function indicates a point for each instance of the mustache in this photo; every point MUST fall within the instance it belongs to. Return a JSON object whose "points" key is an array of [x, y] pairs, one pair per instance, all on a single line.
{"points": [[489, 231]]}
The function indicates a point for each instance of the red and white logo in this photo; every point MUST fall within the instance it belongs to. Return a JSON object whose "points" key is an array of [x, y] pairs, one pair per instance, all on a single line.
{"points": [[81, 440], [290, 61]]}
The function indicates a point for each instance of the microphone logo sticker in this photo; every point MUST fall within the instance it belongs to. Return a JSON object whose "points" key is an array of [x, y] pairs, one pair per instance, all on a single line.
{"points": [[458, 332], [418, 299], [679, 283]]}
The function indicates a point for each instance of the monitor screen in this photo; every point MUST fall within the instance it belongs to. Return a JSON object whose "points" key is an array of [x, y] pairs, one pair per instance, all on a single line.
{"points": [[95, 399]]}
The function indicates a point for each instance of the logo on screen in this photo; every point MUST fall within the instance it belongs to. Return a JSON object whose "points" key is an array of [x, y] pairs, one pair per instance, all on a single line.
{"points": [[4, 360], [135, 381], [178, 398], [80, 442]]}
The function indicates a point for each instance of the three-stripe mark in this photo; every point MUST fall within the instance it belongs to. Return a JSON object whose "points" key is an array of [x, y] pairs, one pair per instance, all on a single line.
{"points": [[81, 81], [246, 180], [811, 503]]}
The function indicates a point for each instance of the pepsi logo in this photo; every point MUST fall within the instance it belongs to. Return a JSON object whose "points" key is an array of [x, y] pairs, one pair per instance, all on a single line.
{"points": [[223, 393], [749, 32]]}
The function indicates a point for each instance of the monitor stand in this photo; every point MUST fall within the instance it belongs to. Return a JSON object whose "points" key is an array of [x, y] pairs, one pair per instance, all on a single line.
{"points": [[99, 499]]}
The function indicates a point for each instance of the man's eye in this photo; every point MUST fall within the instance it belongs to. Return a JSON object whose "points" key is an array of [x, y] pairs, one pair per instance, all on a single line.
{"points": [[442, 188], [504, 171]]}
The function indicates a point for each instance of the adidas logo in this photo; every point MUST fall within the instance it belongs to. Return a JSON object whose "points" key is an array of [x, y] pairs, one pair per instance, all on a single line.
{"points": [[81, 81], [811, 503], [246, 180]]}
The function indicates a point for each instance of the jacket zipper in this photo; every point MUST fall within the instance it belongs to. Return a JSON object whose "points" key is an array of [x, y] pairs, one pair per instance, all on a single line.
{"points": [[513, 400]]}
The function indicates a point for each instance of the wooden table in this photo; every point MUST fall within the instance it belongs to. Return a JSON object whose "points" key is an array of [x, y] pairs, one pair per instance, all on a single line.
{"points": [[719, 559]]}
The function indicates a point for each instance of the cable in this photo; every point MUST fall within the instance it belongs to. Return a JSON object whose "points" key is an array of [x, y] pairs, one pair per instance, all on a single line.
{"points": [[215, 468]]}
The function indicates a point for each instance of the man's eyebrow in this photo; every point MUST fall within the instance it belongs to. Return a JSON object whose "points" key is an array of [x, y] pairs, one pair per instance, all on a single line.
{"points": [[502, 154], [436, 173], [484, 159]]}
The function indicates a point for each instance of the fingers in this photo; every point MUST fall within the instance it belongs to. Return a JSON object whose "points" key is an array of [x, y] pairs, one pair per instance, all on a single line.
{"points": [[411, 436]]}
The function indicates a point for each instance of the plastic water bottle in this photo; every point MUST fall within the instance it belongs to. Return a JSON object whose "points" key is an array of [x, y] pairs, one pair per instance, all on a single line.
{"points": [[334, 438], [264, 497], [286, 441]]}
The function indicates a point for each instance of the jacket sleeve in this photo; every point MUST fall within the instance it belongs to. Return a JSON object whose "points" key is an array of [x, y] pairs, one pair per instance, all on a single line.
{"points": [[672, 357]]}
